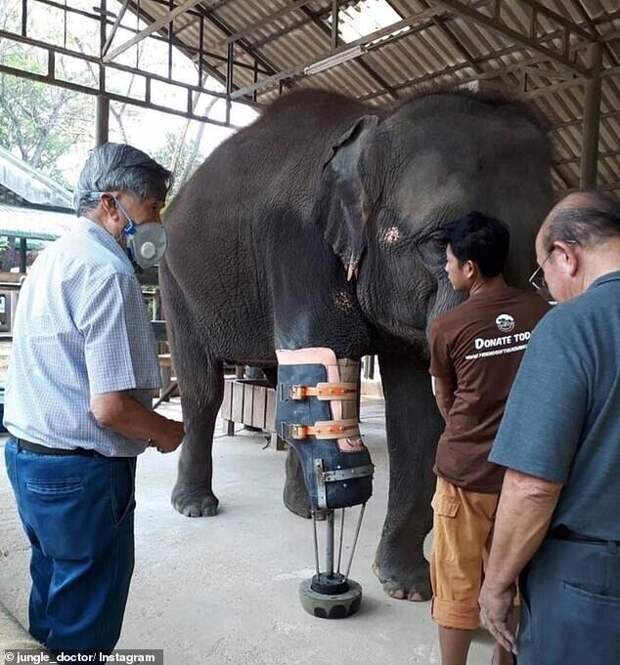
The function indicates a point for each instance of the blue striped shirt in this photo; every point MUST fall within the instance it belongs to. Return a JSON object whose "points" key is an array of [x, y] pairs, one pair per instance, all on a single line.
{"points": [[81, 329]]}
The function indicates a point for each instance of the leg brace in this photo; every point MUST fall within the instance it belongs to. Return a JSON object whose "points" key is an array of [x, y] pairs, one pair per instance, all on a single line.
{"points": [[317, 415]]}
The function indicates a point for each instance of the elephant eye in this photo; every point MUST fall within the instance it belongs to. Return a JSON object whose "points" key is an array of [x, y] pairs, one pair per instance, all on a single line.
{"points": [[433, 251]]}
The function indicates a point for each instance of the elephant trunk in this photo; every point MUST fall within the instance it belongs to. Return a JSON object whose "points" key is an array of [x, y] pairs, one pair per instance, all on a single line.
{"points": [[445, 299]]}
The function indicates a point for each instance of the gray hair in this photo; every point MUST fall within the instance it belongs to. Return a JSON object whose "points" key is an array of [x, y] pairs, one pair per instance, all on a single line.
{"points": [[119, 167], [593, 223]]}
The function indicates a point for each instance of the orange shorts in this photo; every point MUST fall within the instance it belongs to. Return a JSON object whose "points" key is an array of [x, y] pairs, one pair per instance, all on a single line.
{"points": [[462, 531]]}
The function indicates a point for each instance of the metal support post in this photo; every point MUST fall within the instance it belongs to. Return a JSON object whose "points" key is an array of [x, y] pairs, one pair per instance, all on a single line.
{"points": [[103, 119], [335, 17], [23, 255], [591, 120], [229, 78]]}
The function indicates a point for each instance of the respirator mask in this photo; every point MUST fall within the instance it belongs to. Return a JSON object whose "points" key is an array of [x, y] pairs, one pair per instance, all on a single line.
{"points": [[146, 243]]}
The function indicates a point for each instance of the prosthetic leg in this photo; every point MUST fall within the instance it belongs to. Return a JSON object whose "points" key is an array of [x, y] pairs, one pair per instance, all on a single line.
{"points": [[317, 414]]}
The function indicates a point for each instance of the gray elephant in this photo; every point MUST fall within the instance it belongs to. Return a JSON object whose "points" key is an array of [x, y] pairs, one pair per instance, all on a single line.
{"points": [[320, 225]]}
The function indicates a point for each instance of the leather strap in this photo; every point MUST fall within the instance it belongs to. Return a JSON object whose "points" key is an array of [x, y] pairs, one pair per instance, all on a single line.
{"points": [[326, 429], [322, 391]]}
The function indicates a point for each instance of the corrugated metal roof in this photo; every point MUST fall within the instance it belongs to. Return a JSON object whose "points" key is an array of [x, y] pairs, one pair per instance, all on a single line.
{"points": [[447, 49], [30, 184], [19, 222]]}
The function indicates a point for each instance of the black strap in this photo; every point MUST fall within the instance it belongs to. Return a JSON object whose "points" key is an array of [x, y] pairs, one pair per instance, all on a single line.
{"points": [[44, 450]]}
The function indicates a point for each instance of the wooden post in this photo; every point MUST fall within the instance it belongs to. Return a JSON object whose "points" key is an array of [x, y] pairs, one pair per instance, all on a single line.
{"points": [[591, 120]]}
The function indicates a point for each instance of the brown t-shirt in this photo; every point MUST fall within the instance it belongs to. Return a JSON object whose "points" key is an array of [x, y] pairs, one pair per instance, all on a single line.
{"points": [[479, 345]]}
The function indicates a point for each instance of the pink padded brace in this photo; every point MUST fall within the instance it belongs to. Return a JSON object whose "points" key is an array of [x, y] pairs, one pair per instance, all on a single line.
{"points": [[327, 358]]}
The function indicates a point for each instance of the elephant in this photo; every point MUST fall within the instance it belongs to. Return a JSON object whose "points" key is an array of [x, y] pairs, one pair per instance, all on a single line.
{"points": [[320, 225]]}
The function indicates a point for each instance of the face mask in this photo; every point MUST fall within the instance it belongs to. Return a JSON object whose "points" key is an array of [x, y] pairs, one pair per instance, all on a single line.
{"points": [[147, 242]]}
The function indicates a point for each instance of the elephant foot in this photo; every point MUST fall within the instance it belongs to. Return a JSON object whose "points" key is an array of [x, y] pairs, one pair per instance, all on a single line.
{"points": [[296, 500], [295, 494], [411, 584], [193, 501]]}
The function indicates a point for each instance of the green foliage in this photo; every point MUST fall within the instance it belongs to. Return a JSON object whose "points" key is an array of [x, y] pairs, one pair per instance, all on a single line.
{"points": [[42, 121], [183, 158]]}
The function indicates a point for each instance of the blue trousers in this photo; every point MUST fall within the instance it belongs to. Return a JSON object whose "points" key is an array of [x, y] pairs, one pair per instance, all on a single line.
{"points": [[78, 515], [570, 610]]}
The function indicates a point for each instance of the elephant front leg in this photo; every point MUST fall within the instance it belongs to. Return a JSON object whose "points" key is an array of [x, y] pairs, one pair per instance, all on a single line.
{"points": [[413, 426], [193, 495]]}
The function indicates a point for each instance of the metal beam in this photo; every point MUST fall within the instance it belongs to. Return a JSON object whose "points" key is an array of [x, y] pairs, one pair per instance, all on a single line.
{"points": [[453, 69], [592, 25], [545, 90], [440, 24], [253, 27], [299, 69], [191, 51], [335, 23], [334, 39], [143, 103], [530, 42], [591, 120], [575, 160], [51, 78], [538, 8], [154, 27], [112, 34], [579, 121], [323, 13], [242, 43]]}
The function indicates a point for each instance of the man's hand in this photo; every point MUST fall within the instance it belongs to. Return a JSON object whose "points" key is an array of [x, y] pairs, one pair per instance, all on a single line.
{"points": [[495, 609], [170, 437]]}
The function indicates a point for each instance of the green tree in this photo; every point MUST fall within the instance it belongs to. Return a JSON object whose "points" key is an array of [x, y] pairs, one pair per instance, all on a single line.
{"points": [[41, 121]]}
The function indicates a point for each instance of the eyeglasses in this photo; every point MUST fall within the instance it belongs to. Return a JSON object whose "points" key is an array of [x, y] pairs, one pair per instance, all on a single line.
{"points": [[537, 278]]}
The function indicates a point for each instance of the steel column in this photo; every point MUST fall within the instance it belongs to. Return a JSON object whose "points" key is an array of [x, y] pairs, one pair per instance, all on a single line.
{"points": [[103, 119], [23, 254], [591, 120], [335, 18]]}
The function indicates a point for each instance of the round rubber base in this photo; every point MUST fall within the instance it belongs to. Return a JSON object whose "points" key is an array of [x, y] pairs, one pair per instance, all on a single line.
{"points": [[338, 606]]}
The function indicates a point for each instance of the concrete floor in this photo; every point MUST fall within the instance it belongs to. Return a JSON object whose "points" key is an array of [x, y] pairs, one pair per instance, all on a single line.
{"points": [[223, 590]]}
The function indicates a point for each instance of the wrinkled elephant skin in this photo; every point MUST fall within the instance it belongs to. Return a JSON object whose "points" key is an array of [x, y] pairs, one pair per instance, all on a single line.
{"points": [[320, 225]]}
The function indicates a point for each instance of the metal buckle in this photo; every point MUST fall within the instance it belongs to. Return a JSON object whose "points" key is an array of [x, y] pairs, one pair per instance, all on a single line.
{"points": [[321, 490], [297, 392], [298, 431], [348, 474]]}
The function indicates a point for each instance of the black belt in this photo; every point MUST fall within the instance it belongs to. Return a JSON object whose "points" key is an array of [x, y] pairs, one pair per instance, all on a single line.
{"points": [[563, 533], [44, 450]]}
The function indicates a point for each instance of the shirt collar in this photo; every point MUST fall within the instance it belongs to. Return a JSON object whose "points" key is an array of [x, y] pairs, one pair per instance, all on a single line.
{"points": [[100, 235], [603, 279]]}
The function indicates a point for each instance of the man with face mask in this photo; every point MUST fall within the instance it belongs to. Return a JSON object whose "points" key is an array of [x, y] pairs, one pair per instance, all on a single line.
{"points": [[78, 401], [558, 520]]}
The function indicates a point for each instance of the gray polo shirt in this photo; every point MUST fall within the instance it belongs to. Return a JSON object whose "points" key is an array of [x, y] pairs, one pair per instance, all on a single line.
{"points": [[562, 419]]}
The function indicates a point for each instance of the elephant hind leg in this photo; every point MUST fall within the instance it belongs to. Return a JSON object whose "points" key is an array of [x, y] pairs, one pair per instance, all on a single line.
{"points": [[295, 494], [201, 382]]}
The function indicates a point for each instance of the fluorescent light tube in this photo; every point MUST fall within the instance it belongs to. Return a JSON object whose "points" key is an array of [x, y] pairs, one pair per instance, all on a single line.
{"points": [[333, 60]]}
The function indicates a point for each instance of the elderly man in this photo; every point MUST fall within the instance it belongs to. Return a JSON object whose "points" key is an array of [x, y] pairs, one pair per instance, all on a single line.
{"points": [[78, 402], [558, 520]]}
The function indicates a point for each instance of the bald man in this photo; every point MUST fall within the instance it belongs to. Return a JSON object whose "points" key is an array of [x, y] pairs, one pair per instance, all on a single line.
{"points": [[558, 521]]}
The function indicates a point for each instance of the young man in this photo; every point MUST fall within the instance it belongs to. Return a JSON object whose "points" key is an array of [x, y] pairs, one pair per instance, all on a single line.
{"points": [[475, 352]]}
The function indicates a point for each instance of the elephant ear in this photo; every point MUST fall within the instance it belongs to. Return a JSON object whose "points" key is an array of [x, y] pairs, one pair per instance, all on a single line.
{"points": [[347, 204]]}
